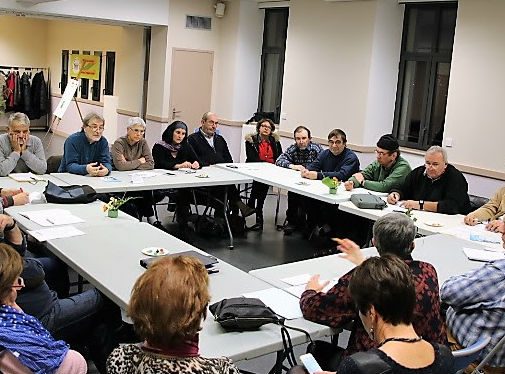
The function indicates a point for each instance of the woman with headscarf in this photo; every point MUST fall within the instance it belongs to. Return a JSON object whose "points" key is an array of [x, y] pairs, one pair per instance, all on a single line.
{"points": [[174, 152]]}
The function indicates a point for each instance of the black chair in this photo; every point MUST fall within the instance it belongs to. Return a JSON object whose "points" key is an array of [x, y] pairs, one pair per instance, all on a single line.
{"points": [[53, 164]]}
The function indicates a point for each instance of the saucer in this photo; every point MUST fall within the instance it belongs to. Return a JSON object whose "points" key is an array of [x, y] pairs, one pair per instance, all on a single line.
{"points": [[155, 251]]}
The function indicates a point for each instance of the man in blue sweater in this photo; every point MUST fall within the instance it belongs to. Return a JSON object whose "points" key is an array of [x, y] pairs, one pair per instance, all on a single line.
{"points": [[337, 161], [87, 151]]}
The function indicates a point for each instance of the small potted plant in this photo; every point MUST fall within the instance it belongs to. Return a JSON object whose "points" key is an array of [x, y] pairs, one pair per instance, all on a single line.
{"points": [[112, 207], [332, 184]]}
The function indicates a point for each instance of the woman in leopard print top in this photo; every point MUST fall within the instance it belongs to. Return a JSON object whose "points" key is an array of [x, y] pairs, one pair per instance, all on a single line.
{"points": [[167, 312]]}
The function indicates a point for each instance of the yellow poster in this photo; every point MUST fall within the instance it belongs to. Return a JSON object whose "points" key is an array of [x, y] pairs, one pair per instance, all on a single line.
{"points": [[85, 66]]}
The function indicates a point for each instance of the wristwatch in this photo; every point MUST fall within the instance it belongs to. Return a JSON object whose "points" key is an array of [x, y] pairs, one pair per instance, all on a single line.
{"points": [[421, 204]]}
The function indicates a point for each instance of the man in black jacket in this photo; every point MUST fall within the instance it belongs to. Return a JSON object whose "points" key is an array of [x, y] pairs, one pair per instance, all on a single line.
{"points": [[211, 148], [436, 186]]}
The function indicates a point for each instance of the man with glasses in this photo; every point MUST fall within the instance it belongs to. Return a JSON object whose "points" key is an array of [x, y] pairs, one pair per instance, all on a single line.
{"points": [[87, 151], [387, 172], [20, 152], [436, 186]]}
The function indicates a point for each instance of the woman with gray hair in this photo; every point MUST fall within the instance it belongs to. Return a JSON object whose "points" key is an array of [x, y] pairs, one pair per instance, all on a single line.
{"points": [[392, 234], [131, 152], [20, 152]]}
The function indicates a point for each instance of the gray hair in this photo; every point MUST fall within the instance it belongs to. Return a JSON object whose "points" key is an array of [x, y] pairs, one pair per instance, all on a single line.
{"points": [[132, 121], [19, 117], [394, 233], [438, 149], [90, 117]]}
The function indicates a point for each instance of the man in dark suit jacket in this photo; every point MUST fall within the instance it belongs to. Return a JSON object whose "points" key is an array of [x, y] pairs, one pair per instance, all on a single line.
{"points": [[211, 148]]}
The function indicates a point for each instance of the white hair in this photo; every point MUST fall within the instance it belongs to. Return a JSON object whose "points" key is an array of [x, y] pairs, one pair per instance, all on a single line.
{"points": [[132, 121], [438, 149], [20, 118]]}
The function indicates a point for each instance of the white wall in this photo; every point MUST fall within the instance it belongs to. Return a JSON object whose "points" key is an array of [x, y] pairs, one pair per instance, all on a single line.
{"points": [[328, 60], [148, 12], [475, 105]]}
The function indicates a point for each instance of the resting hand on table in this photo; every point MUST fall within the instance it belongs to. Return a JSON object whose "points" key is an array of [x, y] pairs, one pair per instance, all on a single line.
{"points": [[309, 174], [195, 165], [410, 204], [102, 171], [470, 220], [10, 191], [351, 251], [393, 198], [297, 167], [92, 169], [496, 226], [21, 199], [315, 284]]}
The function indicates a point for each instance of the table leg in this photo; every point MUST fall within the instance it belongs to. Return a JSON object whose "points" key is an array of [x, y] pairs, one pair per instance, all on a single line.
{"points": [[225, 204]]}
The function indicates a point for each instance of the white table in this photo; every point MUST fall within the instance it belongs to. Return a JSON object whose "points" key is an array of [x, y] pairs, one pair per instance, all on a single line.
{"points": [[91, 213], [108, 257], [40, 186], [291, 180], [205, 177], [444, 252]]}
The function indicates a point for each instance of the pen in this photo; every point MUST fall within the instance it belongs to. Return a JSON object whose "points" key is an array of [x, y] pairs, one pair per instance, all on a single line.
{"points": [[212, 271]]}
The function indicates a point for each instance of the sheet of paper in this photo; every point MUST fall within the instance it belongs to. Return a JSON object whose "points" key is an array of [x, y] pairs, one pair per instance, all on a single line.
{"points": [[281, 302], [55, 233], [26, 177], [52, 217], [476, 233], [297, 279], [147, 174], [110, 178], [483, 255], [299, 289]]}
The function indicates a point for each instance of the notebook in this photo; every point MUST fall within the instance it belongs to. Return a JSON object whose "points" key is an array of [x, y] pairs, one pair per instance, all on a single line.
{"points": [[208, 261]]}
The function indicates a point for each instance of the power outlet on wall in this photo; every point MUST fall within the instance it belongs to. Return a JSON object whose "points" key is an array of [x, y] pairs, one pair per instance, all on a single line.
{"points": [[448, 142]]}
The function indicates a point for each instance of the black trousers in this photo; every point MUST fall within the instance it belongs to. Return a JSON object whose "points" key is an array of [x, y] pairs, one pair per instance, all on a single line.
{"points": [[259, 193]]}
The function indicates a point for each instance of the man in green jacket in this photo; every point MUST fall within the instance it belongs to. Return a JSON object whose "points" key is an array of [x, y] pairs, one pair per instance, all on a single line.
{"points": [[386, 173]]}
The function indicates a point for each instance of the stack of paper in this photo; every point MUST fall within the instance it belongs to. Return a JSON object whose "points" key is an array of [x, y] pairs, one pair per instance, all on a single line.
{"points": [[55, 233], [26, 177], [51, 217]]}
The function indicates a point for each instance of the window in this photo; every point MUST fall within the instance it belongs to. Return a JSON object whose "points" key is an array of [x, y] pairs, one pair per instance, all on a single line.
{"points": [[84, 83], [64, 70], [95, 89], [110, 64], [75, 52], [272, 61], [423, 81]]}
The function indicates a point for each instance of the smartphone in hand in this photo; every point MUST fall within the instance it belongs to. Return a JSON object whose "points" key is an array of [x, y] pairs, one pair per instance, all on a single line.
{"points": [[310, 363]]}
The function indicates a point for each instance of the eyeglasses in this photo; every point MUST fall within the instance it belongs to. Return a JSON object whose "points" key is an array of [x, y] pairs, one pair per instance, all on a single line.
{"points": [[333, 142], [434, 164], [19, 283], [266, 127], [381, 153], [97, 128], [138, 131]]}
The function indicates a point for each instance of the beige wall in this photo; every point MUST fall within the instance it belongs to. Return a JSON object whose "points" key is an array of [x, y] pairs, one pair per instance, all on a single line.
{"points": [[23, 41], [475, 105]]}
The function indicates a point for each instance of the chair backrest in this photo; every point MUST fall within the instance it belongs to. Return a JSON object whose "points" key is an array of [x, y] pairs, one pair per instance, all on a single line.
{"points": [[477, 201], [246, 129], [490, 355], [53, 163], [464, 357], [11, 364]]}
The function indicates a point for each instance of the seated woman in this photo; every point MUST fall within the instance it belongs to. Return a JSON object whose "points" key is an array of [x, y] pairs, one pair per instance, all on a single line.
{"points": [[262, 146], [131, 152], [174, 152], [384, 292], [23, 334], [169, 323]]}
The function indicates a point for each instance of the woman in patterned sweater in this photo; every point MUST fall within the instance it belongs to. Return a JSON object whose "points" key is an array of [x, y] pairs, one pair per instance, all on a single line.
{"points": [[393, 234], [167, 312]]}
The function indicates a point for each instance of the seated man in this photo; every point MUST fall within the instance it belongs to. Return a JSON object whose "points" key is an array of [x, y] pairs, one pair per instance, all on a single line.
{"points": [[437, 186], [20, 152], [392, 234], [87, 151], [337, 161], [477, 308], [211, 148], [131, 152], [385, 173], [493, 211], [297, 157]]}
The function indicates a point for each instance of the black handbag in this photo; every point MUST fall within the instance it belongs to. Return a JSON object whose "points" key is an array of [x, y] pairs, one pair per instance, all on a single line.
{"points": [[69, 194], [243, 314]]}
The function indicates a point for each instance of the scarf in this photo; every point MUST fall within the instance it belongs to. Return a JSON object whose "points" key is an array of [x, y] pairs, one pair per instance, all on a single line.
{"points": [[171, 147], [24, 334], [187, 348]]}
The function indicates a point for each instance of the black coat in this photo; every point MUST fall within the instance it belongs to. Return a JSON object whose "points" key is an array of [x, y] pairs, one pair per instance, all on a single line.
{"points": [[163, 158], [208, 155], [252, 142]]}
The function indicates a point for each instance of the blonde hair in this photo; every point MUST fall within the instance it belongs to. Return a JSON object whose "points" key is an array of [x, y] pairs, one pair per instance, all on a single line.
{"points": [[11, 266], [169, 300]]}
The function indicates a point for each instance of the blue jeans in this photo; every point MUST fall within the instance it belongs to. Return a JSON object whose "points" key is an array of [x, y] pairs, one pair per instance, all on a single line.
{"points": [[74, 316], [56, 272]]}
